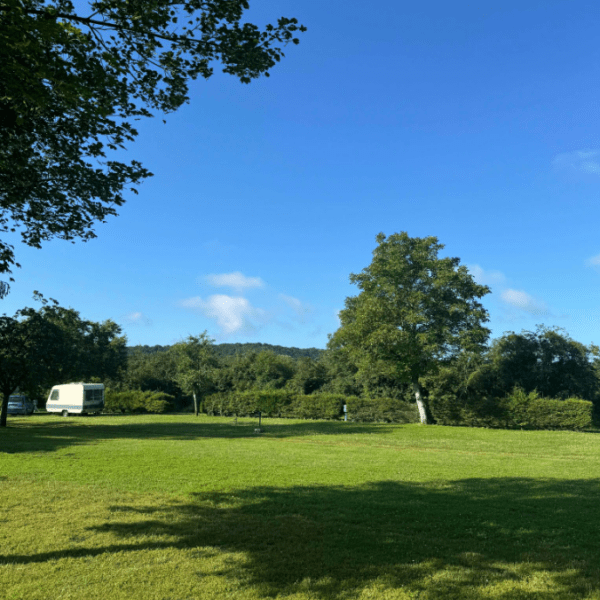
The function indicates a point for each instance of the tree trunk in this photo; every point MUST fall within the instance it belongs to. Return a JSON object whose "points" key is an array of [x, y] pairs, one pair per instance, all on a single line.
{"points": [[195, 403], [420, 403], [4, 407]]}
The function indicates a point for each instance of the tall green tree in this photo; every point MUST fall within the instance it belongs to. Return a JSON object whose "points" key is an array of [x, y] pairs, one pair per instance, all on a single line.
{"points": [[72, 82], [52, 344], [154, 372], [89, 349], [196, 363], [547, 360], [413, 311], [28, 345], [256, 370], [309, 377]]}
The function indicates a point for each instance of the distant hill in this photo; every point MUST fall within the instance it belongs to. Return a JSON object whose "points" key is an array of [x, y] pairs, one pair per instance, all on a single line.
{"points": [[232, 349]]}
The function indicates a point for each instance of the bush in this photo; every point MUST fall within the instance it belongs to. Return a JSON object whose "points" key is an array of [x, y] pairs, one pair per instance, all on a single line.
{"points": [[284, 403], [316, 406], [137, 401], [530, 411], [272, 403], [387, 410], [275, 403]]}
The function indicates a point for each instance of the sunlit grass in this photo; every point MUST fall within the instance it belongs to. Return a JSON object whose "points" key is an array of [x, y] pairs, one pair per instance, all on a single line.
{"points": [[175, 507]]}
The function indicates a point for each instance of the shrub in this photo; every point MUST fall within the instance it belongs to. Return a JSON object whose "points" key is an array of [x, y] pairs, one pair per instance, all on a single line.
{"points": [[272, 403], [275, 403], [387, 410], [284, 403], [316, 406], [137, 401], [530, 411]]}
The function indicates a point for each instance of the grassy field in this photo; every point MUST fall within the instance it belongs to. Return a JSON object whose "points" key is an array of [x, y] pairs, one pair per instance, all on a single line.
{"points": [[178, 508]]}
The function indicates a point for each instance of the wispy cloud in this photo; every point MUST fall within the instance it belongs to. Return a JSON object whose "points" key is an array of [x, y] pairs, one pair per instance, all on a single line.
{"points": [[232, 314], [525, 302], [594, 261], [511, 298], [581, 161], [237, 281], [483, 277], [136, 318], [301, 309]]}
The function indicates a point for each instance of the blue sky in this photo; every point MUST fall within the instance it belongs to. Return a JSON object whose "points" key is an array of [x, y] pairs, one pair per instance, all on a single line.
{"points": [[477, 123]]}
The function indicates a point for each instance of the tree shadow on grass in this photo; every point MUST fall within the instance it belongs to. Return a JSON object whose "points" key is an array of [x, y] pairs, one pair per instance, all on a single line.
{"points": [[57, 432], [477, 538]]}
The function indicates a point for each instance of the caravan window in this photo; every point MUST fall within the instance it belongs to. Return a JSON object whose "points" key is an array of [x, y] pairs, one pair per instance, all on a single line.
{"points": [[54, 395], [93, 395]]}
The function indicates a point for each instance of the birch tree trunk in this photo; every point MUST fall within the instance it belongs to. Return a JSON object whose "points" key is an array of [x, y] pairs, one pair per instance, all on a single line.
{"points": [[195, 403], [420, 403]]}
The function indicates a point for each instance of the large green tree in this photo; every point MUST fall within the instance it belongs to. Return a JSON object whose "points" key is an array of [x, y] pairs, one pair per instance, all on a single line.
{"points": [[72, 82], [195, 366], [413, 311], [154, 372], [50, 345], [547, 360]]}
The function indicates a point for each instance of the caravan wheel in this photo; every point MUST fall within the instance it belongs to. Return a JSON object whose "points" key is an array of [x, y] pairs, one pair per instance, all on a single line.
{"points": [[65, 413]]}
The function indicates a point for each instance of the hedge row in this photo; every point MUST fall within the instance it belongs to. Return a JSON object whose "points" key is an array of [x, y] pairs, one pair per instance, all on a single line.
{"points": [[275, 403], [384, 410], [529, 411], [284, 403], [137, 401], [517, 410]]}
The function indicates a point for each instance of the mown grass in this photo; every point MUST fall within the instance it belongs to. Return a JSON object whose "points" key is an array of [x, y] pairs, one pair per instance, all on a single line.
{"points": [[176, 508]]}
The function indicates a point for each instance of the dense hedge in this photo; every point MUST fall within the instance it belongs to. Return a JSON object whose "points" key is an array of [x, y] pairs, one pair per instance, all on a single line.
{"points": [[517, 410], [467, 410], [284, 403], [137, 401], [530, 411], [272, 403], [316, 406], [387, 410]]}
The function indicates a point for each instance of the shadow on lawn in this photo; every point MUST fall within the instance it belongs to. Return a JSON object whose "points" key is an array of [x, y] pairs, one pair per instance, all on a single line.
{"points": [[447, 540], [58, 432]]}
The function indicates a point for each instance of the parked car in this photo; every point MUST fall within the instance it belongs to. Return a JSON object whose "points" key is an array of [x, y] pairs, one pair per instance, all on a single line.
{"points": [[19, 404]]}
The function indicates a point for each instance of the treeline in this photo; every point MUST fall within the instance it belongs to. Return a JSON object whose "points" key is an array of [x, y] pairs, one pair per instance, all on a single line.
{"points": [[222, 350], [539, 379], [42, 347], [413, 338]]}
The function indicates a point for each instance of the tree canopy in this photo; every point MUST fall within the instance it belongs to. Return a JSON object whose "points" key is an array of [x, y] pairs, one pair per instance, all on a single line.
{"points": [[72, 83], [546, 360], [195, 364], [42, 347], [414, 311]]}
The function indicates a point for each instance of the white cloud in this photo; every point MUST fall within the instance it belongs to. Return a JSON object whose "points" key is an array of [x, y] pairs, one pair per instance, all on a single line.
{"points": [[232, 314], [236, 281], [523, 301], [301, 309], [584, 161], [136, 318], [594, 261], [486, 277]]}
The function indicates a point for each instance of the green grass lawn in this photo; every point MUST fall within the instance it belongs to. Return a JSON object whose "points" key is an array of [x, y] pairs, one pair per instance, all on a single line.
{"points": [[178, 508]]}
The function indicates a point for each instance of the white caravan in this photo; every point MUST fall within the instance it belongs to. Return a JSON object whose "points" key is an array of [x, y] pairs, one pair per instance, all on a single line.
{"points": [[76, 399]]}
